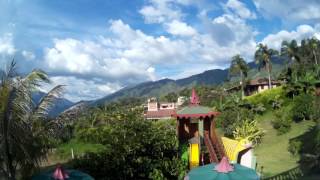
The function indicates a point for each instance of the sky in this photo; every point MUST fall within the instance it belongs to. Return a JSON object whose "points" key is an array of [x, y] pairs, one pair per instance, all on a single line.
{"points": [[96, 47]]}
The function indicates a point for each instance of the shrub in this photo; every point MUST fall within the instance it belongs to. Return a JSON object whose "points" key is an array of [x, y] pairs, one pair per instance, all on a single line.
{"points": [[267, 97], [138, 149], [229, 119], [302, 107], [294, 147], [282, 123], [250, 130]]}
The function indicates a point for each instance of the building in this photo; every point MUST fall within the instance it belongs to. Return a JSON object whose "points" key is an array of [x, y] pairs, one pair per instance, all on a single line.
{"points": [[159, 110], [255, 86], [259, 85]]}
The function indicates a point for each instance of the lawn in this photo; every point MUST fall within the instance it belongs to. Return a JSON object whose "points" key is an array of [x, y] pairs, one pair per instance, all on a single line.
{"points": [[273, 153]]}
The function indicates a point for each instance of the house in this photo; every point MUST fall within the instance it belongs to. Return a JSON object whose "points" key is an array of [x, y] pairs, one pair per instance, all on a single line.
{"points": [[255, 86], [159, 110]]}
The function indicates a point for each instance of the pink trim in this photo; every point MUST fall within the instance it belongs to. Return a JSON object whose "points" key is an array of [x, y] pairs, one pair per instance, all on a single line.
{"points": [[60, 173], [224, 166]]}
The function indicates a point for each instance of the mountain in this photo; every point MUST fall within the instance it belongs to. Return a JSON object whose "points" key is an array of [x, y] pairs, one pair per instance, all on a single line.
{"points": [[60, 105], [164, 86]]}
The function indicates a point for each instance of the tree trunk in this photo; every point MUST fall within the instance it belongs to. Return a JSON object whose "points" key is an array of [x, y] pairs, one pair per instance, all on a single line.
{"points": [[269, 73], [242, 89], [315, 57]]}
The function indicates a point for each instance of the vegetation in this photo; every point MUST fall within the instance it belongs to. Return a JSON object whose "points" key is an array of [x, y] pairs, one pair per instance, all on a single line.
{"points": [[263, 56], [239, 66], [25, 131]]}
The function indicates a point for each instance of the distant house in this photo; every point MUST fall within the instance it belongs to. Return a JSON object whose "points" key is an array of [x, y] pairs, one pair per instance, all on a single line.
{"points": [[159, 110], [259, 85], [255, 86]]}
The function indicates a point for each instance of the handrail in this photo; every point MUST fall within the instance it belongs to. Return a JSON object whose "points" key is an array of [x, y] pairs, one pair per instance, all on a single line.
{"points": [[212, 153]]}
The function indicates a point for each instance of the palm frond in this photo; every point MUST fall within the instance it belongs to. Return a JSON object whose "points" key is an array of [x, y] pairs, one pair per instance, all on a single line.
{"points": [[47, 102]]}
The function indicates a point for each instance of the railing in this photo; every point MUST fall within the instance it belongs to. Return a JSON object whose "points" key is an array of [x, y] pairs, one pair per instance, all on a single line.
{"points": [[209, 145], [218, 144]]}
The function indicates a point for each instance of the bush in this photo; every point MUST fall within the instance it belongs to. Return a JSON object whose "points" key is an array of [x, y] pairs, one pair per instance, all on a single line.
{"points": [[138, 149], [294, 147], [250, 130], [302, 107], [268, 97], [282, 123], [229, 119]]}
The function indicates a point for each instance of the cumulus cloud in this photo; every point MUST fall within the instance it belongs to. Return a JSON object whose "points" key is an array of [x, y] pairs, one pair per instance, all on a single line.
{"points": [[28, 55], [240, 9], [6, 44], [180, 28], [159, 11], [297, 11], [301, 32], [77, 89]]}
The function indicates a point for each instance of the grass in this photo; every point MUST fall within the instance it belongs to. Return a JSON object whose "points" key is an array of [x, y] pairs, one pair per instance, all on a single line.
{"points": [[273, 152], [79, 148]]}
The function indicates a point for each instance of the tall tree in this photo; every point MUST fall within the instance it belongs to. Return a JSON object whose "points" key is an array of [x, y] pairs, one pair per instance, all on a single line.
{"points": [[23, 132], [239, 66], [314, 46], [263, 56], [290, 51]]}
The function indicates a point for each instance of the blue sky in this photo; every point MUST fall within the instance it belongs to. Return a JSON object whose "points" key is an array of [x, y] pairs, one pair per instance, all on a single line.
{"points": [[98, 47]]}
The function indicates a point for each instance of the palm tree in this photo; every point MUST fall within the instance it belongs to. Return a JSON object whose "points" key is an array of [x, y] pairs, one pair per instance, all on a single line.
{"points": [[24, 128], [263, 57], [239, 66], [290, 51], [314, 46]]}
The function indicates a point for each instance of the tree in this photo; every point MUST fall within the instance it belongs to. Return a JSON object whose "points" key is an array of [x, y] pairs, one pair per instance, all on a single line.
{"points": [[263, 56], [314, 46], [24, 135], [239, 66], [290, 50]]}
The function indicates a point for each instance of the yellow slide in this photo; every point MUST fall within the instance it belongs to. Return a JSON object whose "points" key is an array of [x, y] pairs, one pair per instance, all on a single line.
{"points": [[194, 155]]}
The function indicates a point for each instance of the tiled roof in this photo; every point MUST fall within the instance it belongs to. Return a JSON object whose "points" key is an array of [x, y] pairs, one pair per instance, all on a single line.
{"points": [[262, 81], [161, 113], [196, 111]]}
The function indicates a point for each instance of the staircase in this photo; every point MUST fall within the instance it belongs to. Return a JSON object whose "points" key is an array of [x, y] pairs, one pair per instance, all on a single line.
{"points": [[215, 147]]}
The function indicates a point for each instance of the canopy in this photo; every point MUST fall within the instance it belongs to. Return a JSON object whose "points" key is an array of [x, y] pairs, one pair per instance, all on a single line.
{"points": [[208, 172]]}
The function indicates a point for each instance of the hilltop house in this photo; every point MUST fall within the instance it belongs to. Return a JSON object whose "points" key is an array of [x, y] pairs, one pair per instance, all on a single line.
{"points": [[159, 110], [256, 86]]}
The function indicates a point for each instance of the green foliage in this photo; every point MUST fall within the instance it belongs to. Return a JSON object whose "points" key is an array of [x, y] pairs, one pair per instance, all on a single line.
{"points": [[268, 98], [229, 119], [135, 149], [294, 147], [302, 107], [250, 130], [282, 122], [26, 132]]}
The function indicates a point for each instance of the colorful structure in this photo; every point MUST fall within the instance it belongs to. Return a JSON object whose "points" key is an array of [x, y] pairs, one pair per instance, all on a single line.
{"points": [[195, 126]]}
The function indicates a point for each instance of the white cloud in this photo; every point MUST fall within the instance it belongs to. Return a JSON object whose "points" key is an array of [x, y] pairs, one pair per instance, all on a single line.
{"points": [[159, 11], [303, 31], [28, 55], [180, 28], [77, 89], [7, 45], [240, 9], [290, 11]]}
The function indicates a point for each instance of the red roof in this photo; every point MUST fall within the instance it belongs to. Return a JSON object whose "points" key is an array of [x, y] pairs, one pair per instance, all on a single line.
{"points": [[161, 113]]}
